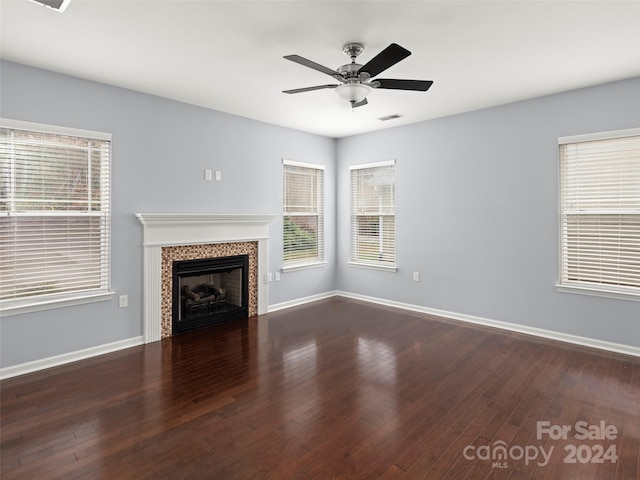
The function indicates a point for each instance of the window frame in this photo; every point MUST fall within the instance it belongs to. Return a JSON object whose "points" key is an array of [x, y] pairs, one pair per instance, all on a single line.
{"points": [[319, 260], [48, 301], [581, 286], [389, 266]]}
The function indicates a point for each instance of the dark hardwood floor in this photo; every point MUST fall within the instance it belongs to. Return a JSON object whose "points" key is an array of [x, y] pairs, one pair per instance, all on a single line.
{"points": [[336, 389]]}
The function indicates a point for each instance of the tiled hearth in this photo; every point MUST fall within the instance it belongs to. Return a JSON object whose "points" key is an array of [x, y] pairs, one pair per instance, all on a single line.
{"points": [[169, 237]]}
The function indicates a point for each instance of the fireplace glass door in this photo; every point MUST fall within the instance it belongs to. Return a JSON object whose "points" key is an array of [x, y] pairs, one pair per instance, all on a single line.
{"points": [[209, 291]]}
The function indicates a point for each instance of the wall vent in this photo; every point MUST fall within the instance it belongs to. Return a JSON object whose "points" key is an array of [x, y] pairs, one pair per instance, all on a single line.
{"points": [[390, 117], [58, 5]]}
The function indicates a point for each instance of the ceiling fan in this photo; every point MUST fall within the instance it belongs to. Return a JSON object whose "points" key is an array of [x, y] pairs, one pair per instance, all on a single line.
{"points": [[356, 81]]}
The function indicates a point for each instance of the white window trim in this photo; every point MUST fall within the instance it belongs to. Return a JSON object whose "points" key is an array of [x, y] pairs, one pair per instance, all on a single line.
{"points": [[303, 266], [583, 289], [361, 166], [294, 163], [41, 303], [597, 292], [306, 264], [371, 266], [53, 129], [587, 137], [17, 307]]}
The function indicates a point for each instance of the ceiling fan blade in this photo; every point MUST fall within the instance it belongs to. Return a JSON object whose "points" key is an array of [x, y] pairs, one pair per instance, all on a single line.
{"points": [[394, 84], [385, 59], [359, 104], [316, 66], [308, 89]]}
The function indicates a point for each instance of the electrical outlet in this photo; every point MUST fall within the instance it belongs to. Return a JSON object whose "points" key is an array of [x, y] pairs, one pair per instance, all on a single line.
{"points": [[416, 276], [269, 277], [123, 301], [207, 174]]}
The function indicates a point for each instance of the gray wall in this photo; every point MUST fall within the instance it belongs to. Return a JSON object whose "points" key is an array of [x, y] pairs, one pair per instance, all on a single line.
{"points": [[476, 204], [160, 151], [477, 213]]}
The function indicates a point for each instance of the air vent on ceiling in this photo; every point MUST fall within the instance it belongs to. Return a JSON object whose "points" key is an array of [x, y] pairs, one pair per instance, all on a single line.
{"points": [[390, 117], [58, 5]]}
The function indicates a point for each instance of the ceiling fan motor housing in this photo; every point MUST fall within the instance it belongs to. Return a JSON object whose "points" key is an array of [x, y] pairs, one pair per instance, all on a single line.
{"points": [[354, 89], [350, 73], [350, 70]]}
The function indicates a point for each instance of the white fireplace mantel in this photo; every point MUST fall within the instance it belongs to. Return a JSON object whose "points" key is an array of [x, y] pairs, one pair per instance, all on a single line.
{"points": [[174, 229]]}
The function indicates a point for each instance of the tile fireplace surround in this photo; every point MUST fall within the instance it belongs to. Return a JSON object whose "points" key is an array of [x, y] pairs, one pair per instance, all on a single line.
{"points": [[177, 236]]}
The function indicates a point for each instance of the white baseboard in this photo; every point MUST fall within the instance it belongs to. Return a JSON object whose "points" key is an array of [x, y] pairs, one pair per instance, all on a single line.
{"points": [[538, 332], [301, 301], [34, 366], [57, 360]]}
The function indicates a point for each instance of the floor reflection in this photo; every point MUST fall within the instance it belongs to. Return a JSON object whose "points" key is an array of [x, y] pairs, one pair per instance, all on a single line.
{"points": [[209, 361], [377, 361], [300, 360]]}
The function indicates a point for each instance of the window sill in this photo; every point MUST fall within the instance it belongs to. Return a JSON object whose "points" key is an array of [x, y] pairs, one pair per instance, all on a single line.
{"points": [[599, 292], [302, 266], [16, 307], [385, 268]]}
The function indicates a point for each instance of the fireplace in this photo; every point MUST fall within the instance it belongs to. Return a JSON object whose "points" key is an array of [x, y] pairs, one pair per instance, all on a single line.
{"points": [[209, 291], [170, 237]]}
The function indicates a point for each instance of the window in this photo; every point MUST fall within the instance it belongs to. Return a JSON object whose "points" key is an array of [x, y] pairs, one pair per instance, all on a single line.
{"points": [[303, 214], [600, 213], [54, 215], [373, 238]]}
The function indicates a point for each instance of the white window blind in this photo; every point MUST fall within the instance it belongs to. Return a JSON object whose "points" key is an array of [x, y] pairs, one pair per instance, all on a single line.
{"points": [[54, 213], [600, 211], [303, 213], [373, 235]]}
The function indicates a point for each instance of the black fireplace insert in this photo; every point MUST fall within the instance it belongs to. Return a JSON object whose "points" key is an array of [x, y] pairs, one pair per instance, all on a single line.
{"points": [[209, 291]]}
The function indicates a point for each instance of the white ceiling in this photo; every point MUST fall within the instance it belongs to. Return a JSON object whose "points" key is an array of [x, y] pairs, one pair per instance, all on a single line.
{"points": [[227, 55]]}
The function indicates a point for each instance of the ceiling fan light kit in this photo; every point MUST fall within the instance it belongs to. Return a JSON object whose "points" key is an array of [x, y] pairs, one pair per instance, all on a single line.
{"points": [[353, 92], [356, 80]]}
